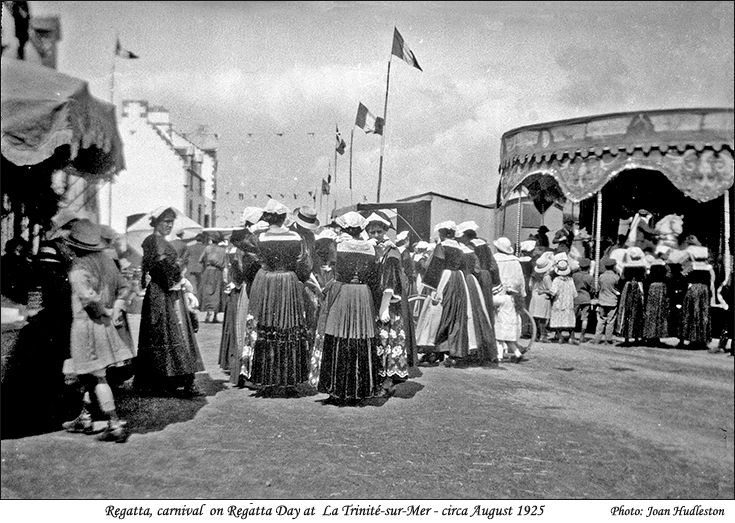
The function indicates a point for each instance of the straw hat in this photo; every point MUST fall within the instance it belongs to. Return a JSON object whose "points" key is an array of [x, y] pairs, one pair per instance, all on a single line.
{"points": [[85, 236], [306, 218], [562, 268], [401, 237], [503, 245], [544, 263], [326, 234], [634, 257]]}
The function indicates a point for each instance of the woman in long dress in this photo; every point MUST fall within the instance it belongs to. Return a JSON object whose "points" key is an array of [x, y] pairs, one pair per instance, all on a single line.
{"points": [[631, 308], [350, 363], [280, 353], [442, 331], [168, 353], [213, 260], [657, 309], [695, 327], [397, 344]]}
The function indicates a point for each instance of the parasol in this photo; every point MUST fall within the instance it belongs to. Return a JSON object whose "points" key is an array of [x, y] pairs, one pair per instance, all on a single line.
{"points": [[141, 229]]}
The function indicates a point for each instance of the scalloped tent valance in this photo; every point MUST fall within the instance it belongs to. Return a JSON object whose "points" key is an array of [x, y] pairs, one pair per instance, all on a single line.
{"points": [[693, 148], [45, 112]]}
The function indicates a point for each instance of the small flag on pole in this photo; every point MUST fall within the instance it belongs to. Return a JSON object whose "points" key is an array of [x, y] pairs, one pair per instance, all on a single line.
{"points": [[325, 187], [123, 53], [367, 122], [401, 50], [340, 147]]}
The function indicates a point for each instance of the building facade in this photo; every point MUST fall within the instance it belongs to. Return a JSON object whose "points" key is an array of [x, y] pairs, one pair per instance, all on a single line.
{"points": [[164, 168]]}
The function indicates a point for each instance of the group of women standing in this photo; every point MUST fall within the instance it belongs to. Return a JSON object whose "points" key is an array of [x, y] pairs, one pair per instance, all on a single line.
{"points": [[334, 315]]}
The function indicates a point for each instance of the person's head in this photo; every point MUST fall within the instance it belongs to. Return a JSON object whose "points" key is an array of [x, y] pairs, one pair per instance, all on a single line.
{"points": [[201, 237], [17, 246], [376, 230], [85, 237], [568, 221], [503, 245], [610, 264], [306, 218], [584, 264], [543, 229], [163, 224], [352, 223], [274, 213]]}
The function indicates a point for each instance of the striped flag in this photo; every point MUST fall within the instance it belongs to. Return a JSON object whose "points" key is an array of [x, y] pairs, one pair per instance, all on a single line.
{"points": [[367, 122], [401, 50]]}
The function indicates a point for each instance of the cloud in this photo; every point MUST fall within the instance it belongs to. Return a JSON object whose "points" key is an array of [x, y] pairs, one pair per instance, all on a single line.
{"points": [[596, 76]]}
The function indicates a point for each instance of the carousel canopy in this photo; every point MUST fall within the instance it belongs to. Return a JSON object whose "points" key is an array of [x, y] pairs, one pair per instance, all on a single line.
{"points": [[574, 159], [48, 114]]}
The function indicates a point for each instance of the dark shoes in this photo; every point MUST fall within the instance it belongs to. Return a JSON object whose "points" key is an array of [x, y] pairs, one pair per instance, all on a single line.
{"points": [[116, 431], [82, 423]]}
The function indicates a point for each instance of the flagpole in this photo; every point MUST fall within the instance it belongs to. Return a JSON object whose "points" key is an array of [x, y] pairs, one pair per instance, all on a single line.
{"points": [[382, 135], [352, 136], [329, 190], [112, 101], [335, 162]]}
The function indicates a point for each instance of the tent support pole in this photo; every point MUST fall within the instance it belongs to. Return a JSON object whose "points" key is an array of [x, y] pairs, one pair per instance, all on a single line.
{"points": [[598, 238], [518, 224]]}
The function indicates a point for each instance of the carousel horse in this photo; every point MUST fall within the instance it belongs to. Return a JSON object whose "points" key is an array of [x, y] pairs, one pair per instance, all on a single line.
{"points": [[670, 227]]}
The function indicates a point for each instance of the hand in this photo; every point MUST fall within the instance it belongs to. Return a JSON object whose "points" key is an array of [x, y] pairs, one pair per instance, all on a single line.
{"points": [[191, 301], [118, 313], [385, 316]]}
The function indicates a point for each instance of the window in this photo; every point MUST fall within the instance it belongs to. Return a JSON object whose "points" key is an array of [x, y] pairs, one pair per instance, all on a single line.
{"points": [[199, 217]]}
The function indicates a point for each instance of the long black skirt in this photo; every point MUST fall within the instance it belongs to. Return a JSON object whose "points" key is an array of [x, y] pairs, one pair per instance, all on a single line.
{"points": [[657, 311], [631, 313], [694, 326]]}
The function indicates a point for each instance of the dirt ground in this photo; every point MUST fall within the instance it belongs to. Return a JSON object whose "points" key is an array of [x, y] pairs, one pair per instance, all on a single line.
{"points": [[572, 422]]}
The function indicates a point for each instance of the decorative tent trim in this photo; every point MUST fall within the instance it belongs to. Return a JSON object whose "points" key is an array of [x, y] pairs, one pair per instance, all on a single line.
{"points": [[693, 148], [45, 112]]}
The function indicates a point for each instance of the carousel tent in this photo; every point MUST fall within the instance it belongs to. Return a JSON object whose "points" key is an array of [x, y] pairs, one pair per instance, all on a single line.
{"points": [[44, 110], [575, 159], [51, 122]]}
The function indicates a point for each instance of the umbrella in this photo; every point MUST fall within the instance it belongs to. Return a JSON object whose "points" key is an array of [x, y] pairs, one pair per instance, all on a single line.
{"points": [[49, 116], [141, 229]]}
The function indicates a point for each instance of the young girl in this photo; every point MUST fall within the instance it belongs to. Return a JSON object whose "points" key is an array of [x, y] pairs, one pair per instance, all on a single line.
{"points": [[540, 287], [563, 293]]}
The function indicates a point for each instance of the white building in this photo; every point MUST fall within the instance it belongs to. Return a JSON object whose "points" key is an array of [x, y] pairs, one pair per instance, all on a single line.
{"points": [[163, 168]]}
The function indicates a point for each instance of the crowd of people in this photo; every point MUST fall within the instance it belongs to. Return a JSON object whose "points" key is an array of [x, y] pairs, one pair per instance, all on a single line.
{"points": [[341, 307]]}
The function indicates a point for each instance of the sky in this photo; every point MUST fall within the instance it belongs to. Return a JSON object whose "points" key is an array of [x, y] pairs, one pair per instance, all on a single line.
{"points": [[273, 79]]}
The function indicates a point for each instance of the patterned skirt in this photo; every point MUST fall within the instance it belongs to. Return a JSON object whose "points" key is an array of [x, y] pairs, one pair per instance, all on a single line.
{"points": [[695, 322], [631, 313], [657, 311]]}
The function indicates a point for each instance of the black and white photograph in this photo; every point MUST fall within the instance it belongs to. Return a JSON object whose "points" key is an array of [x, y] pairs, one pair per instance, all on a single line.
{"points": [[332, 260]]}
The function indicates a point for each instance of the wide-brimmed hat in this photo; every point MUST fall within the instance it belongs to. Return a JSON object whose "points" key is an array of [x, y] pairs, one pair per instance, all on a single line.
{"points": [[250, 215], [544, 263], [379, 217], [528, 245], [466, 226], [503, 245], [306, 218], [562, 268], [86, 236], [351, 220], [644, 212], [634, 257]]}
